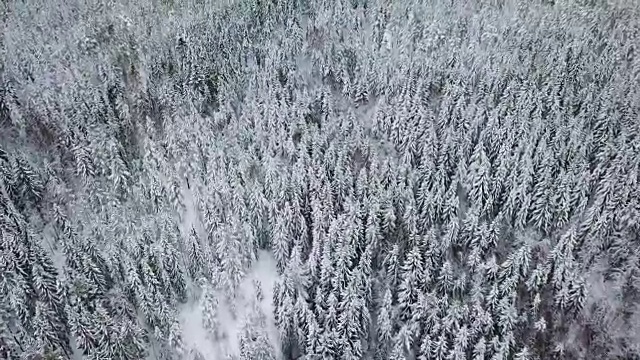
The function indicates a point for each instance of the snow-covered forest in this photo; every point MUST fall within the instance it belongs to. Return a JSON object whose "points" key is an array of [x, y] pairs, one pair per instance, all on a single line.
{"points": [[315, 179]]}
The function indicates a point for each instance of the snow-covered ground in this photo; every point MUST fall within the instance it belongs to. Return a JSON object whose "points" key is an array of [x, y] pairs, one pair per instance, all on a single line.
{"points": [[194, 334]]}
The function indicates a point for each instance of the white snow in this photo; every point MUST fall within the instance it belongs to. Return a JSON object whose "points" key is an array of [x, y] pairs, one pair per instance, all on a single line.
{"points": [[194, 334]]}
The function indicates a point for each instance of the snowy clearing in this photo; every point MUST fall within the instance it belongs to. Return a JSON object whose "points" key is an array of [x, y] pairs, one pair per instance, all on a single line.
{"points": [[195, 336]]}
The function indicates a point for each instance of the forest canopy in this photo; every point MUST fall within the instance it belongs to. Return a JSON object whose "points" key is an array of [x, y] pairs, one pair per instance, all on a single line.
{"points": [[432, 179]]}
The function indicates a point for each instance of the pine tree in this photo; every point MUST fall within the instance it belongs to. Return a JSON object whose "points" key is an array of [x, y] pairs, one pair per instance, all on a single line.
{"points": [[281, 238], [413, 279], [479, 176], [210, 307], [80, 324], [385, 323], [195, 256]]}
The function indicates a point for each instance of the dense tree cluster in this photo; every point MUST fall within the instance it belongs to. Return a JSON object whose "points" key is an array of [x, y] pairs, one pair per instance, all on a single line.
{"points": [[435, 179]]}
